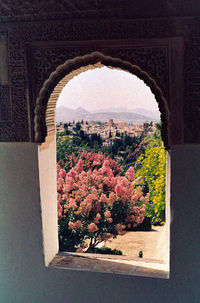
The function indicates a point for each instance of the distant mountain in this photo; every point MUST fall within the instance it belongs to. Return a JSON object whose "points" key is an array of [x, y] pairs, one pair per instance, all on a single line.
{"points": [[138, 110], [66, 114], [146, 112], [81, 111], [114, 110]]}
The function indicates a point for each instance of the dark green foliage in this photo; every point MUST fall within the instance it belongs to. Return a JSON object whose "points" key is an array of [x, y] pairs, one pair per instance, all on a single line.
{"points": [[74, 143], [140, 254], [107, 251], [144, 226], [77, 126], [119, 212], [68, 239]]}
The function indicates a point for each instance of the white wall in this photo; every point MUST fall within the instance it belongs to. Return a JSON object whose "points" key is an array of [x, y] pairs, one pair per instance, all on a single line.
{"points": [[48, 195], [24, 277]]}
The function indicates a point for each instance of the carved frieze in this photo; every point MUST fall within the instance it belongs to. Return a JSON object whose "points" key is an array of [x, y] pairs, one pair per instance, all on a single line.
{"points": [[153, 60], [95, 30], [40, 9], [18, 10], [192, 92], [5, 110], [18, 88], [5, 105]]}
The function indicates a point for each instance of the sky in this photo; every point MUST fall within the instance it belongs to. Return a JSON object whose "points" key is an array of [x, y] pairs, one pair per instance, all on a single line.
{"points": [[104, 88]]}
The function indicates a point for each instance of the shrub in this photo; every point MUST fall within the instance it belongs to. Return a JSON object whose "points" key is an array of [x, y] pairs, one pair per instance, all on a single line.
{"points": [[95, 202], [107, 251]]}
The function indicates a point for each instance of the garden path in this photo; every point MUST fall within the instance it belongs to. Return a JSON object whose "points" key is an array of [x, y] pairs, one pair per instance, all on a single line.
{"points": [[151, 243]]}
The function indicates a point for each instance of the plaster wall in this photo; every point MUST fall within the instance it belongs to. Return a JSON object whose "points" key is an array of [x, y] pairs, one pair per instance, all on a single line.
{"points": [[24, 277], [48, 195]]}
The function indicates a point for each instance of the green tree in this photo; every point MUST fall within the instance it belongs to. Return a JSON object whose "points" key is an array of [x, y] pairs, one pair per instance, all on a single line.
{"points": [[77, 127], [66, 129], [151, 165]]}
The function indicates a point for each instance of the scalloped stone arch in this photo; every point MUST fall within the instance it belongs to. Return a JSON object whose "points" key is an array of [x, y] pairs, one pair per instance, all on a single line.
{"points": [[44, 120]]}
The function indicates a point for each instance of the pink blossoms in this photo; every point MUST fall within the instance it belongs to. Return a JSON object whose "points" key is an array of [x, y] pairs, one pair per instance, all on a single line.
{"points": [[95, 202]]}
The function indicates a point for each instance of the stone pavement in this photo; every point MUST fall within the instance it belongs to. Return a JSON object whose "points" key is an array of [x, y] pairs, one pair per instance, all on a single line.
{"points": [[151, 243]]}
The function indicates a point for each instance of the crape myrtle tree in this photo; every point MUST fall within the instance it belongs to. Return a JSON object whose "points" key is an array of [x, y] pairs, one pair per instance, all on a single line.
{"points": [[95, 201]]}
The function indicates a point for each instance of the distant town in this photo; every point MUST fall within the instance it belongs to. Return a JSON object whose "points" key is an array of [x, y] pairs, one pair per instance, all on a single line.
{"points": [[110, 130]]}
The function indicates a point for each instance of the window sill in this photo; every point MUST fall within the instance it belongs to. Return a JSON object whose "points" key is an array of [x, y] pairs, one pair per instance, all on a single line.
{"points": [[111, 264]]}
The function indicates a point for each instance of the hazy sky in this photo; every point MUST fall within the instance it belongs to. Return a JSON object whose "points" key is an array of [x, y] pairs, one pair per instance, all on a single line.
{"points": [[104, 88]]}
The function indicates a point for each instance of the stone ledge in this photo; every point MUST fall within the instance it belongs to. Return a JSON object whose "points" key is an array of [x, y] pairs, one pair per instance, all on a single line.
{"points": [[111, 264]]}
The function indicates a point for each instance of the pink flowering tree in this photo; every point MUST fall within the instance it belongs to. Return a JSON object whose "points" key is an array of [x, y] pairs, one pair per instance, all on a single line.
{"points": [[95, 202]]}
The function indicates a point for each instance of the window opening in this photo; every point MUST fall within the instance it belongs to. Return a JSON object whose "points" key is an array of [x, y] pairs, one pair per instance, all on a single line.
{"points": [[111, 169]]}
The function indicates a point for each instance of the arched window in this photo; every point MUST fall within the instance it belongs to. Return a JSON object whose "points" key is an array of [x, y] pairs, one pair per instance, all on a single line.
{"points": [[45, 132]]}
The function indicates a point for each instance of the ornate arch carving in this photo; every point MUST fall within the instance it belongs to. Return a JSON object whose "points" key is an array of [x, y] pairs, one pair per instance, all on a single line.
{"points": [[46, 100]]}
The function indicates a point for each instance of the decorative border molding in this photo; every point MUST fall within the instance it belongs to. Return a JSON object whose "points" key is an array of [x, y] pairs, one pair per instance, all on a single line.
{"points": [[153, 58], [104, 29], [34, 10], [43, 106]]}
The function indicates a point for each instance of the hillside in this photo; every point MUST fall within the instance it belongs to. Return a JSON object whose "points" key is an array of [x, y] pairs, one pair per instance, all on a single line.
{"points": [[66, 114]]}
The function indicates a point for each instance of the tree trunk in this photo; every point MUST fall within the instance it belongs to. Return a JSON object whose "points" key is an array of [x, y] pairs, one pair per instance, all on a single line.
{"points": [[91, 247]]}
